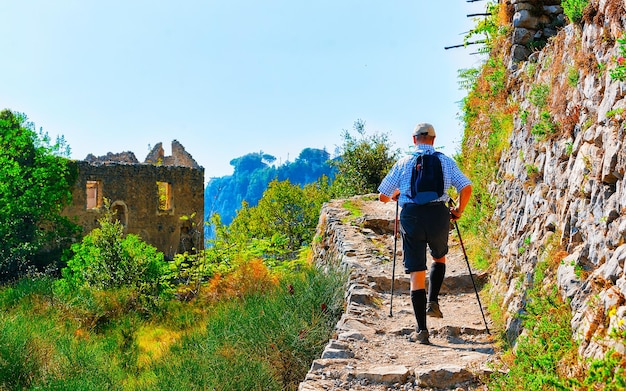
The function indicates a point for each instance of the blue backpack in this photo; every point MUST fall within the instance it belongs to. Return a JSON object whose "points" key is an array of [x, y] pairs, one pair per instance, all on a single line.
{"points": [[426, 179]]}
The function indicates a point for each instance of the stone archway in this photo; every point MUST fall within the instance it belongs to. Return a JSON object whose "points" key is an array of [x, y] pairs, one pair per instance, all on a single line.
{"points": [[186, 241], [120, 211]]}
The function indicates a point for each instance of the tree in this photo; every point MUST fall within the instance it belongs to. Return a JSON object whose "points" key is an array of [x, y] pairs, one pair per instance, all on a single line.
{"points": [[363, 162], [286, 216], [35, 187]]}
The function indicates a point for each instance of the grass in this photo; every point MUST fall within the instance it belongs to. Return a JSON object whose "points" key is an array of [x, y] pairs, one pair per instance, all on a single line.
{"points": [[354, 207], [252, 330], [544, 126], [544, 356], [538, 95], [246, 343]]}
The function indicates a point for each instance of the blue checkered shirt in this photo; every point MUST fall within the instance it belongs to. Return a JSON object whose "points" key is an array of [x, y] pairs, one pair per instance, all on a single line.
{"points": [[399, 177]]}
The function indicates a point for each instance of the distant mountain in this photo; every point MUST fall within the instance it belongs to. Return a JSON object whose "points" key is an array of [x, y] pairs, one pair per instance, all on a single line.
{"points": [[253, 172]]}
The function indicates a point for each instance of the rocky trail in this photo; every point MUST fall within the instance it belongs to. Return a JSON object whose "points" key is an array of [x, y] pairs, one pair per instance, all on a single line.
{"points": [[372, 350]]}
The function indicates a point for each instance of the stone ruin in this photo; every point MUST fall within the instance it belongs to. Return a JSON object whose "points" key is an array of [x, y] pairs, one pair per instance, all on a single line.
{"points": [[179, 157], [534, 22], [155, 199]]}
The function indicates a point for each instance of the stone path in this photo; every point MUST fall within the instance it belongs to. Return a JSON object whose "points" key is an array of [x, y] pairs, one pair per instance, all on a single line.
{"points": [[372, 350]]}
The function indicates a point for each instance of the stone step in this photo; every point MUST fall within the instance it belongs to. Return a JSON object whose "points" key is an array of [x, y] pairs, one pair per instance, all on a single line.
{"points": [[438, 377], [452, 284], [451, 333]]}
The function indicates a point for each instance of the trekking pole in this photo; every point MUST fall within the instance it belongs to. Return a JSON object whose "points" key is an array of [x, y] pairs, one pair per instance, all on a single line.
{"points": [[471, 275], [393, 270]]}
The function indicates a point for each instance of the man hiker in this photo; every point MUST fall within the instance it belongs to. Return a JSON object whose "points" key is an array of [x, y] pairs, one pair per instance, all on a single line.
{"points": [[419, 183]]}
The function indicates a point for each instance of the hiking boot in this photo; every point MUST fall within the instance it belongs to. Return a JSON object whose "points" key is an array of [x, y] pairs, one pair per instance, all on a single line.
{"points": [[432, 309], [421, 337]]}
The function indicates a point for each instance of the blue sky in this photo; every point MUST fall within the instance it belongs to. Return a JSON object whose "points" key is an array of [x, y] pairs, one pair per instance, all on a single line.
{"points": [[226, 78]]}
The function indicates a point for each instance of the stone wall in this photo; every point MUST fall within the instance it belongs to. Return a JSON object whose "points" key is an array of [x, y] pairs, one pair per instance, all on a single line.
{"points": [[575, 194], [135, 198], [534, 22]]}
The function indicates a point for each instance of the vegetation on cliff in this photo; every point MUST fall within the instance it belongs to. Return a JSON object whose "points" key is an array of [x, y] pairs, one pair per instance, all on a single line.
{"points": [[251, 176]]}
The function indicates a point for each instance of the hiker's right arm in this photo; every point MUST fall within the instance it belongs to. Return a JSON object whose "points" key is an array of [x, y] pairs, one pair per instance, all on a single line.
{"points": [[386, 198], [464, 197]]}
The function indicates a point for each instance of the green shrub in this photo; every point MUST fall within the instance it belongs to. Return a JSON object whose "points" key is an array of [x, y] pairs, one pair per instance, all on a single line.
{"points": [[574, 9], [498, 77], [488, 29], [541, 354], [544, 126], [467, 78], [363, 164], [539, 95], [607, 373], [105, 259], [573, 77], [524, 116]]}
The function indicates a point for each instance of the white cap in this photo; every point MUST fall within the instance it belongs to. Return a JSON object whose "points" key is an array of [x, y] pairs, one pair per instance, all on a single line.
{"points": [[423, 129]]}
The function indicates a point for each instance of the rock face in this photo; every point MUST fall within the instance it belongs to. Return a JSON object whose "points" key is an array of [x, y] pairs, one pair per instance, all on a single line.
{"points": [[372, 350], [575, 194]]}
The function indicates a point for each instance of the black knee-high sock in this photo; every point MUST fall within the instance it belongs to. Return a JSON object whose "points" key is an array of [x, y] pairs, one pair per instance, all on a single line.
{"points": [[437, 273], [418, 298]]}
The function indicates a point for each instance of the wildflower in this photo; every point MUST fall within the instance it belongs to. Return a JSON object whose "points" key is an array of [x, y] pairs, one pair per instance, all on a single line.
{"points": [[621, 61]]}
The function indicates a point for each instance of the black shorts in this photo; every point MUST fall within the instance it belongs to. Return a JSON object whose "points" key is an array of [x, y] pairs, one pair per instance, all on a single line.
{"points": [[421, 226]]}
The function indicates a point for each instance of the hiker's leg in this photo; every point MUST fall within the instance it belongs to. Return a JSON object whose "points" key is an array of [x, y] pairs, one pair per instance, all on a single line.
{"points": [[438, 244], [418, 280], [418, 298], [415, 266], [414, 248], [437, 274]]}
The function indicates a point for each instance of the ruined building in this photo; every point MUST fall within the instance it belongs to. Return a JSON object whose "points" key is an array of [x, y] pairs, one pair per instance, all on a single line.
{"points": [[161, 199]]}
